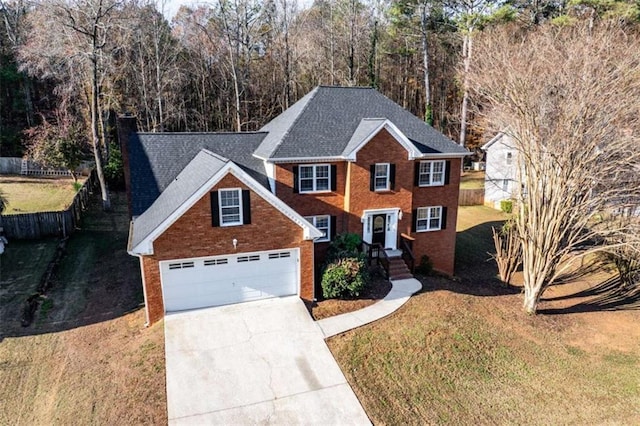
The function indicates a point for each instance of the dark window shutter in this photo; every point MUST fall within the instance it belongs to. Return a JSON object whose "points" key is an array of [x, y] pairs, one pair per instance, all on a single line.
{"points": [[215, 211], [332, 233], [295, 179], [447, 171], [443, 222], [392, 176], [414, 220], [246, 207], [416, 177], [334, 176], [372, 177]]}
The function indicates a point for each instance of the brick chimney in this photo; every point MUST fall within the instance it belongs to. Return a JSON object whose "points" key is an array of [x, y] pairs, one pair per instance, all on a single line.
{"points": [[127, 125]]}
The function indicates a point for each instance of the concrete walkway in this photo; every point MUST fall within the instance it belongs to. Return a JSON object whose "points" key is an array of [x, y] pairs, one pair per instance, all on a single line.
{"points": [[401, 291]]}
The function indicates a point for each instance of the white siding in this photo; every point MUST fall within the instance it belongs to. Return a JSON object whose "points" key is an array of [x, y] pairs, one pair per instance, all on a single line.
{"points": [[499, 172]]}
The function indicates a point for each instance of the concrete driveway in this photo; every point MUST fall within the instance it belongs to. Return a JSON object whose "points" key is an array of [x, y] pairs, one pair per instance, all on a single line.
{"points": [[261, 362]]}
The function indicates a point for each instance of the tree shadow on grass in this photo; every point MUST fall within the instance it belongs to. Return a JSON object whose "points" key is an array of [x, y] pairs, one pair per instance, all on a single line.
{"points": [[609, 295], [476, 273], [96, 279]]}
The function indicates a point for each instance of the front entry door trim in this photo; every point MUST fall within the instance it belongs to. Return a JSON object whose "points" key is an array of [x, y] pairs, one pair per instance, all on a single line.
{"points": [[390, 216]]}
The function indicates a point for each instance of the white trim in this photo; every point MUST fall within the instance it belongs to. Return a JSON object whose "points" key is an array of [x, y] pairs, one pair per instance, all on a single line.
{"points": [[394, 215], [240, 206], [340, 158], [146, 245], [494, 139], [412, 151], [144, 292], [270, 169]]}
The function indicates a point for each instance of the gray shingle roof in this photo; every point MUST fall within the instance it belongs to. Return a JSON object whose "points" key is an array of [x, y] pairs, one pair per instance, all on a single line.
{"points": [[157, 158], [195, 174], [323, 122]]}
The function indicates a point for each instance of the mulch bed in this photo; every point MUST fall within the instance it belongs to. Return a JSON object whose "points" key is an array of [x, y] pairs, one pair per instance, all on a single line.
{"points": [[377, 289]]}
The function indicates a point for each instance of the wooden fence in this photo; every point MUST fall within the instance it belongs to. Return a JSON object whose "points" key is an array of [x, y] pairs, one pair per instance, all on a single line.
{"points": [[28, 226], [471, 197]]}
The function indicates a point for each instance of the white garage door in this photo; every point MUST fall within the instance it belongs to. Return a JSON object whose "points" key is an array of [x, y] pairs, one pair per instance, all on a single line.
{"points": [[222, 280]]}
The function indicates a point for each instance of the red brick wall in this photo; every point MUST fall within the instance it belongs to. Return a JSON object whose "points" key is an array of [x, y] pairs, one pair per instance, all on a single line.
{"points": [[352, 196], [383, 148], [193, 236], [440, 246]]}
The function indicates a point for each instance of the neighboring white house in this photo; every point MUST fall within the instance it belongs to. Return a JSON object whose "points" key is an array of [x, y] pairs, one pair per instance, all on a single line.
{"points": [[500, 176]]}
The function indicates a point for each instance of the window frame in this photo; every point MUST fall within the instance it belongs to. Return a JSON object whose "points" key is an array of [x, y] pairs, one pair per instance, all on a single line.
{"points": [[387, 177], [427, 220], [222, 215], [430, 173], [313, 220], [509, 158], [314, 178]]}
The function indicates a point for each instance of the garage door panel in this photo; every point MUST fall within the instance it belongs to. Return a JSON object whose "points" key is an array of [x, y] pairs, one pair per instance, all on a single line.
{"points": [[221, 280]]}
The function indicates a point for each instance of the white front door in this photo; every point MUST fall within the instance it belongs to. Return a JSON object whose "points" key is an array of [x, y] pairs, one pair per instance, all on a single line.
{"points": [[222, 280], [381, 226]]}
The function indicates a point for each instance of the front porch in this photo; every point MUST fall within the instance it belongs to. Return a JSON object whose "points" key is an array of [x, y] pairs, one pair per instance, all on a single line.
{"points": [[397, 263]]}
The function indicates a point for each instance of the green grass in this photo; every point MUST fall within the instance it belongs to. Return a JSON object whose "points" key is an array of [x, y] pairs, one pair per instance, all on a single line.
{"points": [[472, 180], [450, 356], [30, 194], [22, 265]]}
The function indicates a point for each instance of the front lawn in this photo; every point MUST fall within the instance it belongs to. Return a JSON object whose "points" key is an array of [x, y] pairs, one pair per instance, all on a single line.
{"points": [[463, 352], [26, 194]]}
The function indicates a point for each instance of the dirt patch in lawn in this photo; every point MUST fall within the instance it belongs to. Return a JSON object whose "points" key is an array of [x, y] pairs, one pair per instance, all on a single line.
{"points": [[27, 194], [377, 289], [87, 357], [464, 352]]}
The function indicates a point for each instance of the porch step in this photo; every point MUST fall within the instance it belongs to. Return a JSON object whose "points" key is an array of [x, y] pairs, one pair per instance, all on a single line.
{"points": [[398, 269]]}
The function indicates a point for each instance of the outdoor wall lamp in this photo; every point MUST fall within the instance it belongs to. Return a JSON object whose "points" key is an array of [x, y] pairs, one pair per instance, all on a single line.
{"points": [[235, 243]]}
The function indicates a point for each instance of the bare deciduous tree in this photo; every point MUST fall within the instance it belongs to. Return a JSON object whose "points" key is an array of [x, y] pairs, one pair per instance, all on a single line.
{"points": [[70, 42], [568, 97], [508, 254]]}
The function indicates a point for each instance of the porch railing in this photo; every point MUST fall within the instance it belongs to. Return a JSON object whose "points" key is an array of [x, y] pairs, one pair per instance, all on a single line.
{"points": [[406, 244]]}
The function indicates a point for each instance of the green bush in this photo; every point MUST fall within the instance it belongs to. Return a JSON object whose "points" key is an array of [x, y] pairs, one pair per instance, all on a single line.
{"points": [[344, 245], [506, 206], [425, 267], [344, 278], [114, 169]]}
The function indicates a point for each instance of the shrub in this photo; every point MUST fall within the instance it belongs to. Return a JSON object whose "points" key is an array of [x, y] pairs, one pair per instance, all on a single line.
{"points": [[506, 206], [425, 267], [344, 278], [77, 186], [344, 245], [114, 169]]}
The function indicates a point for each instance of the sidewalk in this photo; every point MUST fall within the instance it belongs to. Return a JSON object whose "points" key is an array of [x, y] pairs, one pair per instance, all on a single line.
{"points": [[401, 291]]}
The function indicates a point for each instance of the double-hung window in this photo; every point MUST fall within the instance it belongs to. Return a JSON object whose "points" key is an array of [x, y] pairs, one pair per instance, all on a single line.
{"points": [[230, 207], [381, 178], [323, 223], [314, 178], [431, 173], [429, 219]]}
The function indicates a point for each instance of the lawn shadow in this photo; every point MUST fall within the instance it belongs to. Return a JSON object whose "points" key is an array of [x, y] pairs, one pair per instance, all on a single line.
{"points": [[609, 295], [476, 273], [96, 279]]}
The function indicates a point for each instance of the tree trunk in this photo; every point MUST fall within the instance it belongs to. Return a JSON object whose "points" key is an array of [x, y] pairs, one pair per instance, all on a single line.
{"points": [[531, 299], [466, 52], [428, 113], [95, 138]]}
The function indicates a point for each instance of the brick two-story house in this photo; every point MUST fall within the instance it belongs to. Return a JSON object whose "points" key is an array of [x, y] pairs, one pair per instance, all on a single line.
{"points": [[223, 218]]}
